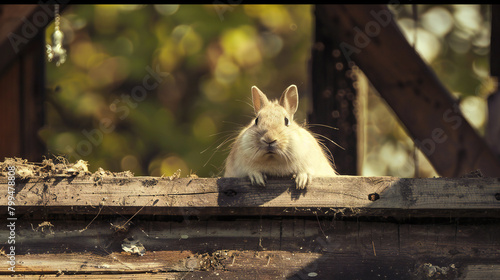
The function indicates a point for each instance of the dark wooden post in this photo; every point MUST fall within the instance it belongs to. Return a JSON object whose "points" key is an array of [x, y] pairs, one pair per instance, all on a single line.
{"points": [[495, 41], [493, 126], [21, 109], [22, 76], [333, 99]]}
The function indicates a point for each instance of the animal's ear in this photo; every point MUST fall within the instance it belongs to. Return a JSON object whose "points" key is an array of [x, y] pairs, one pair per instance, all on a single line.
{"points": [[290, 99], [259, 99]]}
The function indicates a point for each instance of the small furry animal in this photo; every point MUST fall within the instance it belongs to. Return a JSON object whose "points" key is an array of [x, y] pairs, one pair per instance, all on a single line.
{"points": [[273, 144]]}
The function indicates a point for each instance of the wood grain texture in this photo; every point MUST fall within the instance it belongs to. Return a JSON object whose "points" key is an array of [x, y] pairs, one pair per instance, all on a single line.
{"points": [[259, 248], [346, 195]]}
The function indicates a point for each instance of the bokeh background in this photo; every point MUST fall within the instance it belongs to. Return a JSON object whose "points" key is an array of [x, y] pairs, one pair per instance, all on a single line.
{"points": [[157, 88]]}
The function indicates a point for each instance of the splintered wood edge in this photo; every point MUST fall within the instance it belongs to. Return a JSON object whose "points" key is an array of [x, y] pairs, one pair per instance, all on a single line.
{"points": [[238, 262], [346, 195]]}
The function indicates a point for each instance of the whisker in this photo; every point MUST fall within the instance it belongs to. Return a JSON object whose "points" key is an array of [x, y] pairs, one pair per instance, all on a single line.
{"points": [[249, 103], [231, 137], [232, 133], [329, 154], [255, 155], [288, 156], [233, 123], [322, 125], [330, 140], [211, 156], [223, 132]]}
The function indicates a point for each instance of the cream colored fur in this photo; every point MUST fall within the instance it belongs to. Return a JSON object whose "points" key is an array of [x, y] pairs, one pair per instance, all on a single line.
{"points": [[271, 147]]}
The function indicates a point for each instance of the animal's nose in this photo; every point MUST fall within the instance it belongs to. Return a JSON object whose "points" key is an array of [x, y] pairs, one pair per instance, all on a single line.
{"points": [[268, 140]]}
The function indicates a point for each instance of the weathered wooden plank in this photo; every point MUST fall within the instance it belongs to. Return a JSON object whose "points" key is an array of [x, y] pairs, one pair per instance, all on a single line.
{"points": [[326, 248], [82, 263], [472, 272], [479, 272], [129, 276], [346, 195], [58, 236], [232, 265]]}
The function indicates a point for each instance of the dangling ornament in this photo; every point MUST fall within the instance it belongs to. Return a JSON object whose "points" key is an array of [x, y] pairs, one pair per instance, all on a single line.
{"points": [[56, 52]]}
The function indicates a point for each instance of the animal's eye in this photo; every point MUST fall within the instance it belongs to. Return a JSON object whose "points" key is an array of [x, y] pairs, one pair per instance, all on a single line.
{"points": [[286, 121], [256, 121]]}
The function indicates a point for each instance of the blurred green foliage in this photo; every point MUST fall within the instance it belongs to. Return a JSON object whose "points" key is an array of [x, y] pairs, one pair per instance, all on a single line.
{"points": [[156, 88], [103, 105]]}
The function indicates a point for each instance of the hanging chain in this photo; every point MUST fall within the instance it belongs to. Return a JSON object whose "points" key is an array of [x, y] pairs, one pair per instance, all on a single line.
{"points": [[56, 52]]}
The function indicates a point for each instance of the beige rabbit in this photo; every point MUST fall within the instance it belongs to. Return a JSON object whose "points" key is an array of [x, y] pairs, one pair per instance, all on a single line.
{"points": [[273, 144]]}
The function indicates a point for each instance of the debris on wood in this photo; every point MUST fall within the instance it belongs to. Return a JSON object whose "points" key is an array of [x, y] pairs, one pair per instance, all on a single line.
{"points": [[57, 167], [101, 173], [47, 168], [473, 174], [45, 227], [213, 261], [435, 272], [133, 246], [176, 175], [120, 225], [60, 167]]}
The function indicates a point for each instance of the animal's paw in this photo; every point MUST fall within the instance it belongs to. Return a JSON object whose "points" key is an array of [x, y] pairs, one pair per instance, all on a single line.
{"points": [[301, 180], [258, 179]]}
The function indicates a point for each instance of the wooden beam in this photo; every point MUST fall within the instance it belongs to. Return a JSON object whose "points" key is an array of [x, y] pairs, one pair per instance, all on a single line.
{"points": [[370, 37], [32, 98], [22, 103], [11, 128], [125, 276], [334, 100], [495, 41], [492, 130], [347, 195], [288, 248]]}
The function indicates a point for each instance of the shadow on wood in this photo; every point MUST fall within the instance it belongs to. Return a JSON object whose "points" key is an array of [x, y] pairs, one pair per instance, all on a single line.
{"points": [[236, 192]]}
